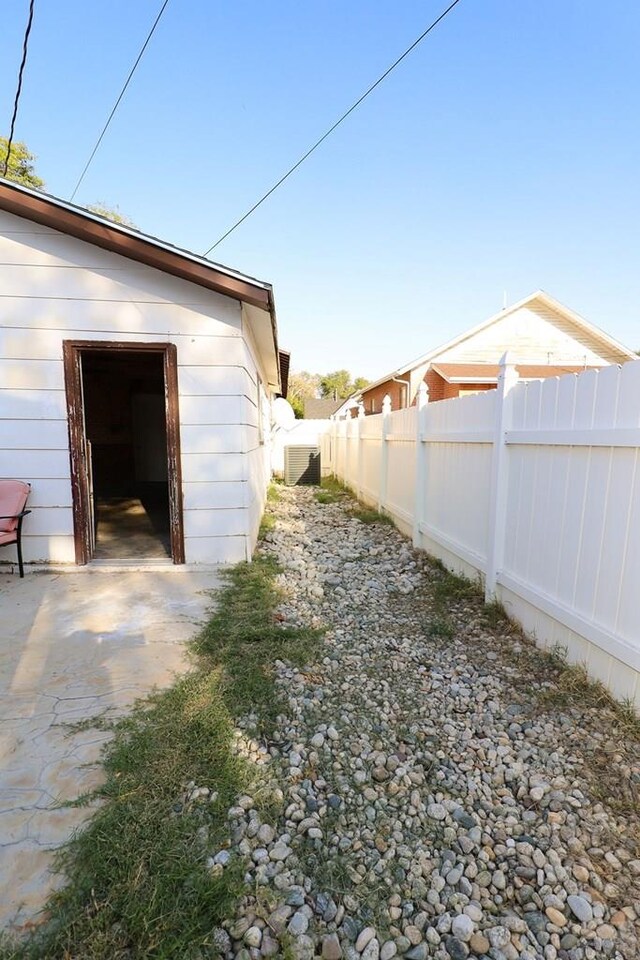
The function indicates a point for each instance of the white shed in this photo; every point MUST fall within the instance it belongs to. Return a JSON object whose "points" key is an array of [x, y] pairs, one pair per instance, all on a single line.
{"points": [[135, 389]]}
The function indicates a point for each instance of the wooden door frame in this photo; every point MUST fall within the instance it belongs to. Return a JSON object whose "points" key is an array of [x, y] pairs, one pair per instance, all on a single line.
{"points": [[72, 351]]}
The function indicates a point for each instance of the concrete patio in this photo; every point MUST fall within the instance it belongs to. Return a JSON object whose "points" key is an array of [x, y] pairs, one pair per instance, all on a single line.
{"points": [[75, 645]]}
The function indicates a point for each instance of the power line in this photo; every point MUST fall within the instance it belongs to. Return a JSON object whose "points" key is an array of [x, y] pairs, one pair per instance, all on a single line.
{"points": [[331, 129], [16, 101], [117, 103]]}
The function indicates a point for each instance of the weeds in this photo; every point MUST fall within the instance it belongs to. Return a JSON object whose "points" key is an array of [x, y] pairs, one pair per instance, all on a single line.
{"points": [[332, 491], [326, 496], [441, 628], [496, 617], [572, 691], [574, 687], [450, 588], [273, 493], [246, 636], [268, 521], [366, 515], [267, 524]]}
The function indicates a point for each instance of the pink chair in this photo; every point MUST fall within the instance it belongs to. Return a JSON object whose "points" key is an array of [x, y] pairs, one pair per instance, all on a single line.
{"points": [[13, 499]]}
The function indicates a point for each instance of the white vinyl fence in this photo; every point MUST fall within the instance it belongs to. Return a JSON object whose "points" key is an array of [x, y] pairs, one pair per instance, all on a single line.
{"points": [[535, 487]]}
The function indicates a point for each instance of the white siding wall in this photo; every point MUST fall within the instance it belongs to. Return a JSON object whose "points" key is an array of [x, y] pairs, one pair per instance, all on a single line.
{"points": [[259, 442], [52, 288]]}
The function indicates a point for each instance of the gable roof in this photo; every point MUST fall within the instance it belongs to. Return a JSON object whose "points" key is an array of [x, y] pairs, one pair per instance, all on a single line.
{"points": [[539, 296], [84, 225]]}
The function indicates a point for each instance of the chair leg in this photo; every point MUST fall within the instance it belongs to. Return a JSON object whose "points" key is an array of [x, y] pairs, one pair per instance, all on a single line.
{"points": [[19, 546]]}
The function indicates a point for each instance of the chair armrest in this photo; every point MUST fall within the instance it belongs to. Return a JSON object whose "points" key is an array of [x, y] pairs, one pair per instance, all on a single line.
{"points": [[16, 516]]}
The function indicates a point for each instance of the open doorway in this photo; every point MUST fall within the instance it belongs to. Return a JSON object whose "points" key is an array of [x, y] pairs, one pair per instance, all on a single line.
{"points": [[123, 427]]}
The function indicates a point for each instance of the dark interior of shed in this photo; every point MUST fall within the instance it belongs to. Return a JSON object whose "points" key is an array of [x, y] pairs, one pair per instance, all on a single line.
{"points": [[125, 424]]}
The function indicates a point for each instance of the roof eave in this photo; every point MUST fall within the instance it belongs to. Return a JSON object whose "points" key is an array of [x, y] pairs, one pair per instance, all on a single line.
{"points": [[462, 380], [83, 225], [595, 331]]}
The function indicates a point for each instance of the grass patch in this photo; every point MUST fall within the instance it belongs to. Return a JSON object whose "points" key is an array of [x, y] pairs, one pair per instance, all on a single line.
{"points": [[267, 524], [268, 520], [367, 515], [574, 687], [273, 493], [332, 491], [246, 636], [450, 588], [325, 496], [573, 692], [138, 885], [496, 617], [441, 628]]}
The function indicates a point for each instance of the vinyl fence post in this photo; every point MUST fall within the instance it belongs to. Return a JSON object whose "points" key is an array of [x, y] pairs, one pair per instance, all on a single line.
{"points": [[507, 379], [360, 422], [421, 463], [384, 454]]}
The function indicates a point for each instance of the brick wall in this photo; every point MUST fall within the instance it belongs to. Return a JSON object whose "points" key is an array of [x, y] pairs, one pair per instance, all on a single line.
{"points": [[377, 394], [439, 389]]}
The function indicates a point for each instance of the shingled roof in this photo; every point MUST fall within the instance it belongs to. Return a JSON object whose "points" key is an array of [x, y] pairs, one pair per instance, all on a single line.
{"points": [[321, 409]]}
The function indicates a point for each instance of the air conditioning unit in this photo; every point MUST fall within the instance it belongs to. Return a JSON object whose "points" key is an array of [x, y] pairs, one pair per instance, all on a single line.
{"points": [[301, 465]]}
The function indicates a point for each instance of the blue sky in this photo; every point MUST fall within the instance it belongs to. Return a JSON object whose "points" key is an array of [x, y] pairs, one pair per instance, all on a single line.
{"points": [[503, 154]]}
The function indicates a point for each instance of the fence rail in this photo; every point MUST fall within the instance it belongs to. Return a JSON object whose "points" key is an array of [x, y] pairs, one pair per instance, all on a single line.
{"points": [[534, 487]]}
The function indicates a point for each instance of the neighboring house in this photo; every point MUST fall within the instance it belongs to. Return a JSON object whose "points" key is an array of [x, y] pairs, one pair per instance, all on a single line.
{"points": [[135, 390], [348, 408], [545, 339], [325, 408]]}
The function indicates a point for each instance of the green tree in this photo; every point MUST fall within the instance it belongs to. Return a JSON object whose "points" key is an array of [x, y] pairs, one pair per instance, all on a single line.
{"points": [[110, 213], [339, 385], [336, 385], [297, 405], [21, 164]]}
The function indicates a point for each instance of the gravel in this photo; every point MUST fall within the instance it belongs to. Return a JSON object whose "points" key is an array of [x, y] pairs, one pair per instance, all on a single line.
{"points": [[417, 802]]}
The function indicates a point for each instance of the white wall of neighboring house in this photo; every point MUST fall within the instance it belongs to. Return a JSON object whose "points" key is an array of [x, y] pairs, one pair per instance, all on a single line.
{"points": [[538, 494], [53, 288], [534, 333]]}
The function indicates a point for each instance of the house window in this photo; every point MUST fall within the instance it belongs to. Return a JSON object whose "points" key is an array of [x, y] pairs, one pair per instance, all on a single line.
{"points": [[373, 404]]}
